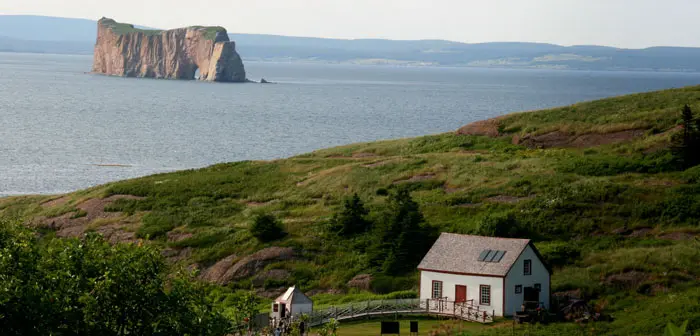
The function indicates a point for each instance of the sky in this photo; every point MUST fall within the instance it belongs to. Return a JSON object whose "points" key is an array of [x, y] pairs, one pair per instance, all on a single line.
{"points": [[619, 23]]}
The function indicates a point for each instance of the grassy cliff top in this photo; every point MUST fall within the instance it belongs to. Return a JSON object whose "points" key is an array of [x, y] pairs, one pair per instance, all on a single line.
{"points": [[603, 202], [125, 28]]}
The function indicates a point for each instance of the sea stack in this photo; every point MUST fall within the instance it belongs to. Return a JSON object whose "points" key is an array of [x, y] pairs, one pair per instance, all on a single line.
{"points": [[123, 50]]}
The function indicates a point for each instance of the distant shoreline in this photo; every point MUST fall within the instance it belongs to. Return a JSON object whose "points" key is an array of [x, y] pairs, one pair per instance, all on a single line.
{"points": [[403, 64]]}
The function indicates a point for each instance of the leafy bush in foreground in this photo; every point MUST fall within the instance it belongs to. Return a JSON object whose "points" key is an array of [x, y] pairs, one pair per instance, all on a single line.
{"points": [[89, 287]]}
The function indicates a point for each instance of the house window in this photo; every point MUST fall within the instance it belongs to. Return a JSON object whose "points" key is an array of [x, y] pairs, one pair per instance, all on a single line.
{"points": [[527, 269], [518, 289], [437, 289], [538, 287], [275, 308], [485, 297]]}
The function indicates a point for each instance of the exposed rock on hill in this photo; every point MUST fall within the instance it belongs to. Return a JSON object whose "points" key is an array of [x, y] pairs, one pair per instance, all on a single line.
{"points": [[554, 139], [361, 281], [487, 127], [225, 270], [122, 50]]}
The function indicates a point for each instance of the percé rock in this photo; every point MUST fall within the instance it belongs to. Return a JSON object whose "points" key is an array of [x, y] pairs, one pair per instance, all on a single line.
{"points": [[122, 50]]}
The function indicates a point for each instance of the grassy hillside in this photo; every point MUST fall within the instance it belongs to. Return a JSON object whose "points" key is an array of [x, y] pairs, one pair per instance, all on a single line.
{"points": [[593, 183]]}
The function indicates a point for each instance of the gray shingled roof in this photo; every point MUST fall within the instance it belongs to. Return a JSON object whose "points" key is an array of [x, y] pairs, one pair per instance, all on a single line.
{"points": [[456, 253], [293, 295]]}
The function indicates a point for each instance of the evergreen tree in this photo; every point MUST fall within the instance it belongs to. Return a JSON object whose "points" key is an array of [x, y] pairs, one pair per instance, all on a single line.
{"points": [[403, 236], [686, 144], [352, 219], [267, 228]]}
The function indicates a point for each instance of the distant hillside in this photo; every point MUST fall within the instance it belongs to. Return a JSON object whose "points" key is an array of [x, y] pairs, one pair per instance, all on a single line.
{"points": [[64, 35], [44, 28]]}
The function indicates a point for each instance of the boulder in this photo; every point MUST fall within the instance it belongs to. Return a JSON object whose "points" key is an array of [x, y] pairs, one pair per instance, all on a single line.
{"points": [[488, 128], [217, 272], [225, 270], [361, 281]]}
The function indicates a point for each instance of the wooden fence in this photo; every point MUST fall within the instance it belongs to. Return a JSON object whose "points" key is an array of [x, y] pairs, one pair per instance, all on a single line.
{"points": [[466, 311]]}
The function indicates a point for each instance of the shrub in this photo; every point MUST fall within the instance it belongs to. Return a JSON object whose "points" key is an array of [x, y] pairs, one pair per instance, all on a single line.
{"points": [[406, 294], [610, 165], [559, 253], [500, 225], [91, 287], [384, 284], [156, 224], [267, 228]]}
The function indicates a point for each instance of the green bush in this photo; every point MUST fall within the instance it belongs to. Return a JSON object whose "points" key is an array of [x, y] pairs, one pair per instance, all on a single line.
{"points": [[406, 294], [272, 283], [500, 225], [610, 165], [267, 228], [156, 224], [384, 284], [559, 253], [90, 287]]}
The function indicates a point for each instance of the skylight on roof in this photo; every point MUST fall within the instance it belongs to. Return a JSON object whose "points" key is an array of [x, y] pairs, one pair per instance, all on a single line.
{"points": [[493, 256], [483, 254]]}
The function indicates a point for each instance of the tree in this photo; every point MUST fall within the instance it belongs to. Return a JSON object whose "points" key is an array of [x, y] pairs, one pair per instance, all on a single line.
{"points": [[686, 144], [403, 237], [90, 287], [246, 307], [352, 219], [502, 225], [267, 228]]}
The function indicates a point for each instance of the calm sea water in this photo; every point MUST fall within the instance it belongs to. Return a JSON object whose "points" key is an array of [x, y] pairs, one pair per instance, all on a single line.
{"points": [[61, 128]]}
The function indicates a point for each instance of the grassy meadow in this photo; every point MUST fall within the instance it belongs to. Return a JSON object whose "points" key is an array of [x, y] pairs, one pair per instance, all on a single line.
{"points": [[618, 222]]}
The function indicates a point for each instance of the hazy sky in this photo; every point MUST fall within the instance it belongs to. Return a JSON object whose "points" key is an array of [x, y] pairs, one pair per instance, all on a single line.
{"points": [[621, 23]]}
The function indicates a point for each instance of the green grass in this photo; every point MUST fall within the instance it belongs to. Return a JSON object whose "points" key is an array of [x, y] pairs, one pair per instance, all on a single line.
{"points": [[425, 326], [570, 201], [125, 28]]}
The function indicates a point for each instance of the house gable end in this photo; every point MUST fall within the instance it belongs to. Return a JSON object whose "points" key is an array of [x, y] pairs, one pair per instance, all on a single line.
{"points": [[537, 253]]}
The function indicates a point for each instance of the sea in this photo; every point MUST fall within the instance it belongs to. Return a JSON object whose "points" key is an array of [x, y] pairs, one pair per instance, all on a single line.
{"points": [[63, 129]]}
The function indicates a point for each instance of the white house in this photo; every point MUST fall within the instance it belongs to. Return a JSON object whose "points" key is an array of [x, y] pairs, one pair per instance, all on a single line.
{"points": [[495, 274], [291, 304]]}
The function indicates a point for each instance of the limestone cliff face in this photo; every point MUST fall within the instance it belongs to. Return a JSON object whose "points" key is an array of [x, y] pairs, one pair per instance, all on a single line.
{"points": [[122, 50]]}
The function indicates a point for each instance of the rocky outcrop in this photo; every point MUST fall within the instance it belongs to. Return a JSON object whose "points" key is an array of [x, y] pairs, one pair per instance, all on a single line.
{"points": [[226, 271], [361, 281], [489, 127], [122, 50]]}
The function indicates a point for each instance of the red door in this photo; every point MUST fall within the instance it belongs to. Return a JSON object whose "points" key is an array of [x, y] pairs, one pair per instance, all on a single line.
{"points": [[460, 293]]}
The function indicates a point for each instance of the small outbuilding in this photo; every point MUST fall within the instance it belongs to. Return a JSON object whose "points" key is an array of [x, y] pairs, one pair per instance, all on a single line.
{"points": [[291, 304], [493, 274]]}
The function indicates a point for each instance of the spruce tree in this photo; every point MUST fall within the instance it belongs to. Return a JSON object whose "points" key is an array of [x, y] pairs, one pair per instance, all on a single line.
{"points": [[352, 219], [686, 144], [403, 236]]}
